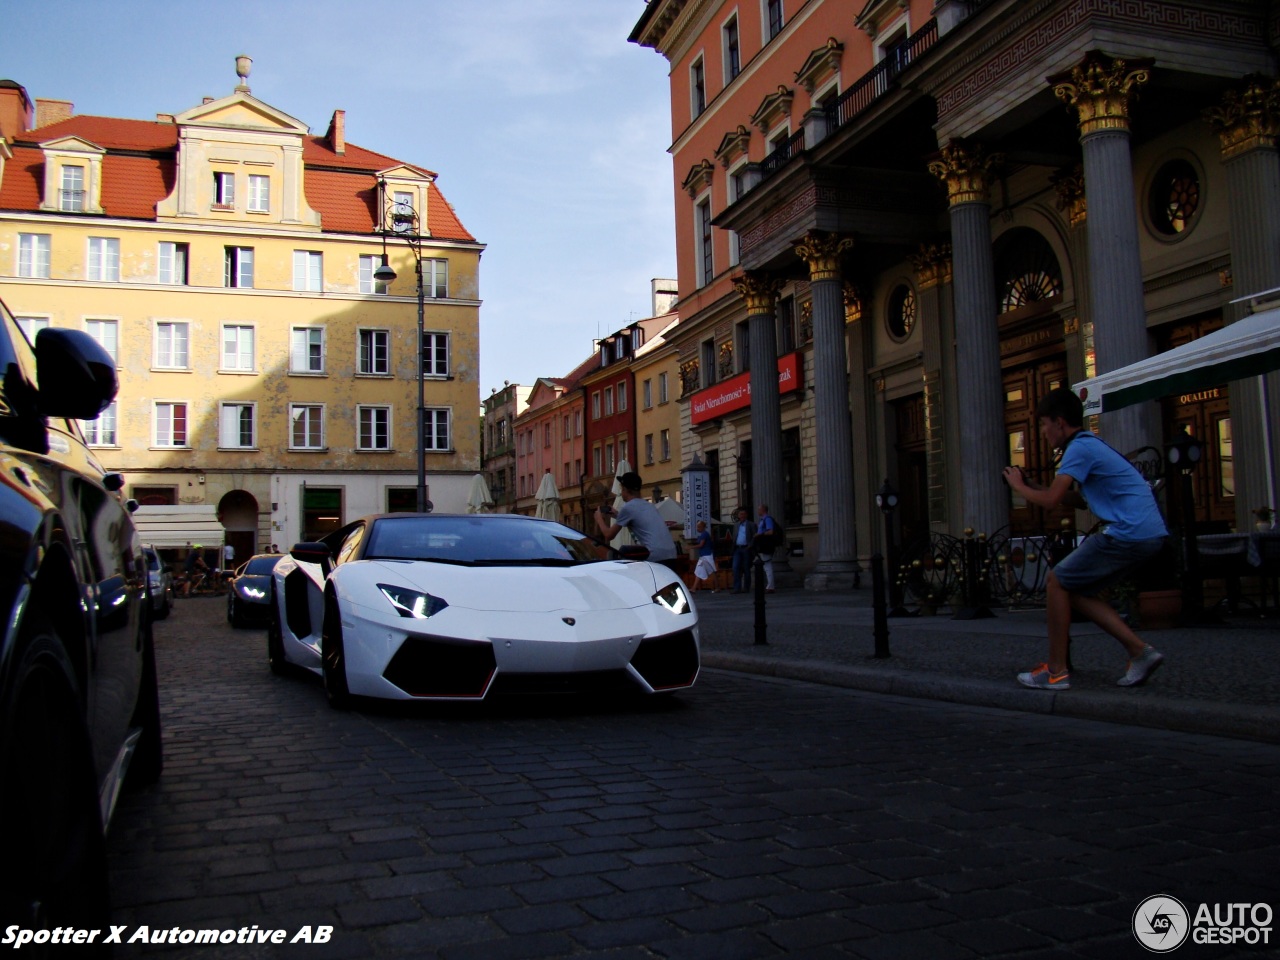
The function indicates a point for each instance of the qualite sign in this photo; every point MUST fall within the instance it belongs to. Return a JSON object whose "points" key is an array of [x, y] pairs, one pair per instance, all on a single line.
{"points": [[735, 393]]}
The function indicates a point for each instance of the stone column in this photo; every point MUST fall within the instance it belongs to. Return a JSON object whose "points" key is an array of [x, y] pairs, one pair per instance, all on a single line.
{"points": [[760, 293], [864, 424], [932, 263], [966, 170], [1099, 89], [837, 566], [1069, 184], [1248, 125]]}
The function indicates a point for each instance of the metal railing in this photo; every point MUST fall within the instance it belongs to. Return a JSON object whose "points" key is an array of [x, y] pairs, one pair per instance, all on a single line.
{"points": [[879, 80], [782, 154]]}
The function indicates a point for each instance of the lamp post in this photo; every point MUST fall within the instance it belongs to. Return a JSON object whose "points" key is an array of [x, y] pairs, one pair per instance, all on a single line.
{"points": [[1183, 455], [887, 501], [399, 219]]}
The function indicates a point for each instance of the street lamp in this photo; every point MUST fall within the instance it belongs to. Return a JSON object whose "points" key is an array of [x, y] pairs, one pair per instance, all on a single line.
{"points": [[887, 501], [400, 219], [1183, 455]]}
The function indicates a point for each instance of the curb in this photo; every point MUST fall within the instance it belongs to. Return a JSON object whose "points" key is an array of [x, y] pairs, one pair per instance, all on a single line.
{"points": [[1186, 716]]}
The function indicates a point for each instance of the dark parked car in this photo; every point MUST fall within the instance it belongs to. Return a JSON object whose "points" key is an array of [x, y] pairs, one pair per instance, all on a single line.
{"points": [[249, 591], [78, 706]]}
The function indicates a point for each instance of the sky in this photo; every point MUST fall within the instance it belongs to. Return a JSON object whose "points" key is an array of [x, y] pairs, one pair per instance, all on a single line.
{"points": [[548, 130]]}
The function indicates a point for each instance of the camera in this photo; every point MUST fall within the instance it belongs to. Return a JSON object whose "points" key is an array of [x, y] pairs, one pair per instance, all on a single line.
{"points": [[606, 509]]}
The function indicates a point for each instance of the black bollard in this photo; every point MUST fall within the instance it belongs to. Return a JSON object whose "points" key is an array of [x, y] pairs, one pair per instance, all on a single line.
{"points": [[879, 608], [758, 590]]}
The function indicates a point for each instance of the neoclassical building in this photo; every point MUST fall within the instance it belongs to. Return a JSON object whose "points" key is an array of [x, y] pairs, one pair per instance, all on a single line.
{"points": [[928, 213]]}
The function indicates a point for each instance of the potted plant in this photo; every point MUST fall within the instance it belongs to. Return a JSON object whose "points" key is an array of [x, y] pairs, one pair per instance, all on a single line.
{"points": [[1265, 519], [1152, 597]]}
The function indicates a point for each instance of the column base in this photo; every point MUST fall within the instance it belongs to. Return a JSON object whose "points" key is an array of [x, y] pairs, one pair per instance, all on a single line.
{"points": [[832, 575]]}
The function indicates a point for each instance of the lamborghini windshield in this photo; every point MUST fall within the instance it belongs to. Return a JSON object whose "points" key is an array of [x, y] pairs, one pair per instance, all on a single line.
{"points": [[488, 540]]}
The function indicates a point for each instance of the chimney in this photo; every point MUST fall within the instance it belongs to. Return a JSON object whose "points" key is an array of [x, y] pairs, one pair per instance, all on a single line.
{"points": [[53, 111], [337, 135], [17, 113], [164, 118]]}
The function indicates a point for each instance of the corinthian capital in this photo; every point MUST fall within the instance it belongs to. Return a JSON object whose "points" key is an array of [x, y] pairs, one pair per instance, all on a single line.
{"points": [[1099, 88], [821, 251], [759, 291], [1248, 117], [967, 170], [932, 262]]}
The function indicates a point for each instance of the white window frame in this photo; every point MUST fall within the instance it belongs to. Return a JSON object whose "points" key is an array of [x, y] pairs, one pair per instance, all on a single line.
{"points": [[437, 420], [102, 432], [34, 253], [698, 68], [595, 405], [435, 279], [732, 20], [435, 354], [71, 199], [102, 260], [172, 259], [368, 263], [301, 344], [664, 439], [704, 244], [229, 433], [735, 183], [648, 449], [662, 388], [224, 189], [402, 203], [106, 332], [31, 325], [367, 362], [622, 396], [165, 330], [237, 267], [369, 444], [310, 442], [242, 358], [308, 271], [765, 35], [158, 411], [259, 193]]}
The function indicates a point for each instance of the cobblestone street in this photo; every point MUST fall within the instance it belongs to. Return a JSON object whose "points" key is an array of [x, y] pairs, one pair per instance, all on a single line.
{"points": [[750, 817]]}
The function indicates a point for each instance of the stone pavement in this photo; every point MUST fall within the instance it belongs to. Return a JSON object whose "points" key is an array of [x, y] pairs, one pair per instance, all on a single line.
{"points": [[1215, 679]]}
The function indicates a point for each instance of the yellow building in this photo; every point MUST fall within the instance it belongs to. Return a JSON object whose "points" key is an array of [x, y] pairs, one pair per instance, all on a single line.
{"points": [[225, 258]]}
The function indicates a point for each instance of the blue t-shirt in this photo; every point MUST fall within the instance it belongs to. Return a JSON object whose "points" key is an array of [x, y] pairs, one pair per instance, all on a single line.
{"points": [[1116, 492], [703, 543]]}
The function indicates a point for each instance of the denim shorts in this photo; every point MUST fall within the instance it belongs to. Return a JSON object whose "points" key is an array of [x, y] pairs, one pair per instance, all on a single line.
{"points": [[1101, 560]]}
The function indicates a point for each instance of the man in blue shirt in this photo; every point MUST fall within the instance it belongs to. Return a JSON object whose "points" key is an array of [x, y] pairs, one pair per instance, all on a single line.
{"points": [[744, 531], [1133, 532]]}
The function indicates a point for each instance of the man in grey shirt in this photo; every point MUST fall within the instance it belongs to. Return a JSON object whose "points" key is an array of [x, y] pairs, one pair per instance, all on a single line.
{"points": [[643, 520]]}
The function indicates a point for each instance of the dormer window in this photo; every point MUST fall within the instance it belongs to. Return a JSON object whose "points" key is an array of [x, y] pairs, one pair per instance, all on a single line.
{"points": [[402, 211], [71, 194], [224, 189]]}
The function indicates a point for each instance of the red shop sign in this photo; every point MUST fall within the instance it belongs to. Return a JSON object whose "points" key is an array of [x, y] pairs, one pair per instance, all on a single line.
{"points": [[735, 393]]}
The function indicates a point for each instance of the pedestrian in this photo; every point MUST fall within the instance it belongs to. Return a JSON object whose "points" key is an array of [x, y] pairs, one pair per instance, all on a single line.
{"points": [[765, 542], [228, 557], [1133, 532], [706, 566], [744, 531], [194, 567], [642, 518]]}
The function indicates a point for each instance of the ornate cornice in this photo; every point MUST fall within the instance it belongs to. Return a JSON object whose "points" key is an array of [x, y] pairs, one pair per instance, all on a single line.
{"points": [[733, 145], [820, 64], [773, 107], [1248, 117], [759, 291], [821, 251], [1069, 182], [1100, 88], [852, 302], [698, 178], [932, 263], [967, 170]]}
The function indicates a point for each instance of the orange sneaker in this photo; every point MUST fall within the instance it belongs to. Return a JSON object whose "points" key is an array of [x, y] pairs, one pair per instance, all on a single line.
{"points": [[1041, 679]]}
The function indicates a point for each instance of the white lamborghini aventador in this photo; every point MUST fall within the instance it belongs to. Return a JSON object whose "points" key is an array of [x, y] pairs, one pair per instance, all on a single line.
{"points": [[439, 607]]}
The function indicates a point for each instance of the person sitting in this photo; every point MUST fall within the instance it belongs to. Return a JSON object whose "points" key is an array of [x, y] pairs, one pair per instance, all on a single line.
{"points": [[196, 569]]}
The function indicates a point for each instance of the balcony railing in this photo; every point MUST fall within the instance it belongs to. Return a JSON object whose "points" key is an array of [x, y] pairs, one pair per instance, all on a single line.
{"points": [[880, 79], [71, 201], [791, 147]]}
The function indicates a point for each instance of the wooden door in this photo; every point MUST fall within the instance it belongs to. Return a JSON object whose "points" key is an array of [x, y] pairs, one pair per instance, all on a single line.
{"points": [[1023, 388]]}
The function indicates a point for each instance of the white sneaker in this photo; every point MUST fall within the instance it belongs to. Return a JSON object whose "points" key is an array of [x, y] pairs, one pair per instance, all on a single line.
{"points": [[1141, 667]]}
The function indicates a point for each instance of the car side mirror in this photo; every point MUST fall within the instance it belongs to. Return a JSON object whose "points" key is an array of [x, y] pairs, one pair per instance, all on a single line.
{"points": [[113, 481], [313, 552], [75, 376], [131, 505]]}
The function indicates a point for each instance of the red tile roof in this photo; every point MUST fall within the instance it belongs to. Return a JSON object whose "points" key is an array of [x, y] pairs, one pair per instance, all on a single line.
{"points": [[139, 170]]}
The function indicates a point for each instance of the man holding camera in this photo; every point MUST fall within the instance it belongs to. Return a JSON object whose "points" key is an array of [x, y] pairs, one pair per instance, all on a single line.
{"points": [[640, 517]]}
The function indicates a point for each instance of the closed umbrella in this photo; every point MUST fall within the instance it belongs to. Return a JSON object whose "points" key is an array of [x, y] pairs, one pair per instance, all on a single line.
{"points": [[548, 499], [479, 500]]}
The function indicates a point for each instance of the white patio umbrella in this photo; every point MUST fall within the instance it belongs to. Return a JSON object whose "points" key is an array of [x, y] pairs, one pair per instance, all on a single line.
{"points": [[479, 500], [624, 536], [548, 499]]}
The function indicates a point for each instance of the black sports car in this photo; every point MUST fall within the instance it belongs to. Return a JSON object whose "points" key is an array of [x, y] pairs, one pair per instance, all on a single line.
{"points": [[78, 705], [249, 591]]}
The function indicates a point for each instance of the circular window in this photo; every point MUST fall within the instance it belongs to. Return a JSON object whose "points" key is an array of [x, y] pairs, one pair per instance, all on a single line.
{"points": [[1174, 198], [902, 312]]}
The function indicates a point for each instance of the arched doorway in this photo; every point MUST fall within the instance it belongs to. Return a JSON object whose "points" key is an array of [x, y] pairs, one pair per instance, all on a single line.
{"points": [[238, 513]]}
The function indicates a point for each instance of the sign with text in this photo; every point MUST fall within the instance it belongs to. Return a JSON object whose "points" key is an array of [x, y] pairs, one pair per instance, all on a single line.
{"points": [[735, 393]]}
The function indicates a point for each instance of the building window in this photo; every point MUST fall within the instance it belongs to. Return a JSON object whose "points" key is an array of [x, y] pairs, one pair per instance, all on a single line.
{"points": [[107, 333], [773, 17], [104, 260], [665, 438], [171, 346], [171, 425], [737, 187], [732, 54], [785, 314], [577, 423], [368, 264], [698, 87], [1026, 269], [610, 465], [224, 189], [608, 401], [172, 263], [546, 435], [435, 279], [703, 220], [308, 271], [435, 429], [622, 397], [901, 313], [375, 352], [435, 354], [307, 426], [71, 196], [237, 267], [648, 448], [743, 347], [597, 463], [662, 388], [101, 432], [259, 193], [374, 428], [31, 326], [707, 362], [646, 393], [1174, 198], [33, 255], [595, 406], [622, 449], [567, 430], [237, 347], [236, 429], [307, 350]]}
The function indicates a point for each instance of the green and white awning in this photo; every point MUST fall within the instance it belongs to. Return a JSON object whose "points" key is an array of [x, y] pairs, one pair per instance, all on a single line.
{"points": [[1246, 348]]}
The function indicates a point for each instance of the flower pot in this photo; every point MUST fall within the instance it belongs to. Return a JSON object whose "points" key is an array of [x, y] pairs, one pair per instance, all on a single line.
{"points": [[1263, 526], [1159, 609]]}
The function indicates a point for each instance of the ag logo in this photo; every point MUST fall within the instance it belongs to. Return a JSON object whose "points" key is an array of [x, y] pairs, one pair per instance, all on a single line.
{"points": [[1161, 923]]}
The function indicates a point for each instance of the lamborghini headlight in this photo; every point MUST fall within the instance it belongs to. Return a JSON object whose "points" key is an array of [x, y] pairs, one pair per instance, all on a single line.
{"points": [[673, 597], [254, 593], [412, 603]]}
